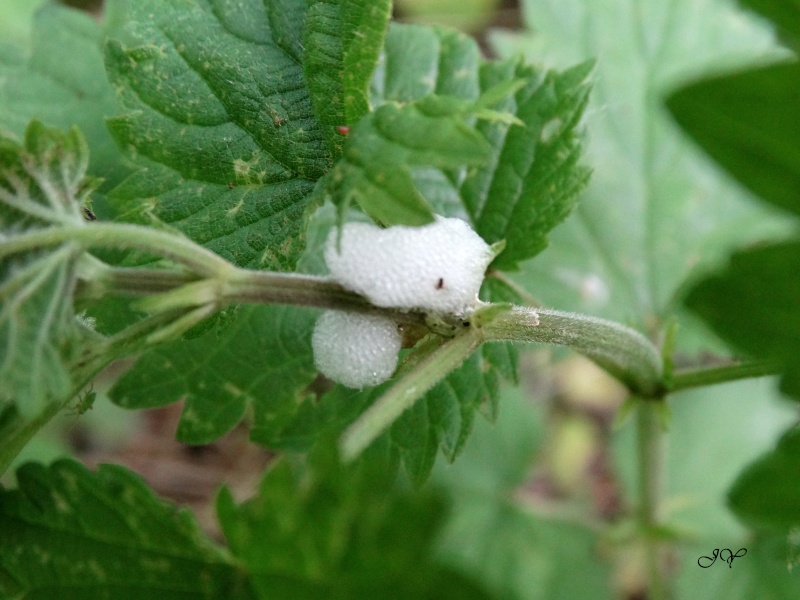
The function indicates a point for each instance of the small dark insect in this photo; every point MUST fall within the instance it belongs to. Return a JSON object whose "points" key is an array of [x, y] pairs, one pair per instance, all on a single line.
{"points": [[89, 215], [84, 402], [343, 129], [230, 185], [440, 284], [465, 323]]}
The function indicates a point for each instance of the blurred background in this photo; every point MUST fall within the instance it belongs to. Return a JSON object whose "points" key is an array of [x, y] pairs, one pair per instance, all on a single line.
{"points": [[540, 499]]}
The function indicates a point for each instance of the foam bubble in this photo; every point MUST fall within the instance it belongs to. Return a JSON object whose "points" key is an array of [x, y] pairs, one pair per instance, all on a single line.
{"points": [[355, 350], [437, 267]]}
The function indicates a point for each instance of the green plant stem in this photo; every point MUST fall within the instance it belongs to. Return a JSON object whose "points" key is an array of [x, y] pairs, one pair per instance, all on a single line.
{"points": [[620, 350], [623, 352], [650, 454], [129, 281], [685, 379], [240, 286], [265, 287], [422, 377], [124, 236], [17, 432]]}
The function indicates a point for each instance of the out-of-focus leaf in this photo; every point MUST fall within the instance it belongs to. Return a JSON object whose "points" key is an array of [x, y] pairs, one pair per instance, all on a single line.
{"points": [[15, 20], [766, 493], [654, 209], [752, 304], [517, 553], [784, 13], [73, 534], [465, 15], [41, 185], [62, 82], [340, 533], [761, 573], [700, 467], [749, 122]]}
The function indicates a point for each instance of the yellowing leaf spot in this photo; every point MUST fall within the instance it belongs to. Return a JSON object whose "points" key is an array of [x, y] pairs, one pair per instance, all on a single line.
{"points": [[234, 209]]}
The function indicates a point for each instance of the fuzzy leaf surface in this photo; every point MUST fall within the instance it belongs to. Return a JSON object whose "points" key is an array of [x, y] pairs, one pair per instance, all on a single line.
{"points": [[218, 111], [40, 186], [70, 533], [261, 362], [340, 533]]}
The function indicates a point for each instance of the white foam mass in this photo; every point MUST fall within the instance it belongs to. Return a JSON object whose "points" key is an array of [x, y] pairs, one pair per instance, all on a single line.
{"points": [[437, 267], [355, 350]]}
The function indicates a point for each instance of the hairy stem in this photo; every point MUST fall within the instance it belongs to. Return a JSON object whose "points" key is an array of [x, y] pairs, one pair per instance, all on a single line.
{"points": [[240, 286], [124, 236], [685, 379], [422, 377], [16, 431], [623, 352], [650, 455], [620, 350]]}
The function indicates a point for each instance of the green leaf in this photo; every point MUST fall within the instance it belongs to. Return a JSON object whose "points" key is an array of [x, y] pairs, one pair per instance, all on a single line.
{"points": [[531, 178], [766, 493], [342, 41], [654, 209], [41, 184], [748, 122], [441, 420], [73, 534], [519, 552], [419, 61], [784, 13], [340, 533], [62, 83], [793, 548], [534, 181], [376, 169], [259, 363], [218, 112], [752, 304], [15, 20]]}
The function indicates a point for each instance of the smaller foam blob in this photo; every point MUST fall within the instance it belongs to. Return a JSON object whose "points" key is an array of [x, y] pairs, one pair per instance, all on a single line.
{"points": [[355, 350], [437, 267]]}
